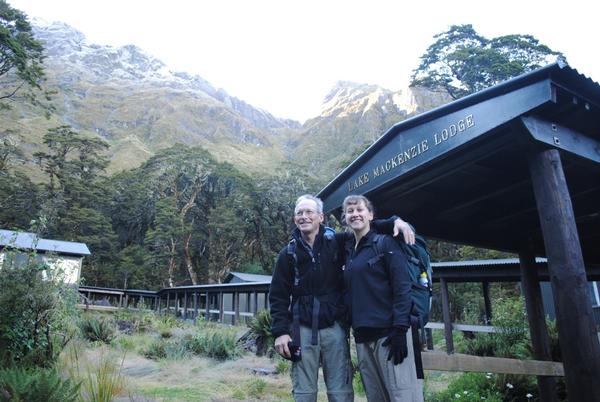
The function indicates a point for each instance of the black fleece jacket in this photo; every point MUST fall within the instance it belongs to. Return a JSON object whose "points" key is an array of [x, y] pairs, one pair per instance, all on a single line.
{"points": [[321, 277], [320, 270], [377, 286]]}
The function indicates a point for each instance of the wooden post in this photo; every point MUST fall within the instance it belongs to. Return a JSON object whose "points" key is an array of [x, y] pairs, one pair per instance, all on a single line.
{"points": [[207, 307], [485, 286], [429, 338], [185, 303], [195, 305], [576, 328], [540, 340], [221, 307], [176, 303], [168, 301], [446, 316], [126, 301], [255, 305], [248, 309], [236, 307]]}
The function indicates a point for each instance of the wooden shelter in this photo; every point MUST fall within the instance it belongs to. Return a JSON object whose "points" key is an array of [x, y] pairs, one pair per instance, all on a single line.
{"points": [[515, 167]]}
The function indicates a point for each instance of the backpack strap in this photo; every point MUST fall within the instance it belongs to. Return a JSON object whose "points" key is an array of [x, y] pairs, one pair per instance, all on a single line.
{"points": [[293, 261], [377, 242], [293, 258]]}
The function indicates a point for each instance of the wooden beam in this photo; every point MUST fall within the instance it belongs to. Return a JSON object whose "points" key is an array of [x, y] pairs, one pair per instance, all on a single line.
{"points": [[485, 287], [540, 340], [195, 305], [460, 362], [94, 307], [463, 327], [446, 316], [236, 308], [255, 303], [221, 309], [577, 331], [207, 307]]}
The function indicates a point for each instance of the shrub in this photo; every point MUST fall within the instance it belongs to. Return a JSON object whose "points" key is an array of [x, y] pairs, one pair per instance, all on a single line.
{"points": [[102, 381], [96, 329], [260, 331], [162, 349], [137, 321], [156, 350], [36, 385], [36, 314], [216, 343], [470, 387], [511, 341], [256, 388], [282, 366]]}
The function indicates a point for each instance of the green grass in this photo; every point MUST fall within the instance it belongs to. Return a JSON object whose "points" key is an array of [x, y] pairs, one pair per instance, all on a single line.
{"points": [[182, 393]]}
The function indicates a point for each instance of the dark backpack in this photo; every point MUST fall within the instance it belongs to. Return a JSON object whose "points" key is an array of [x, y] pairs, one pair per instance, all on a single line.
{"points": [[420, 272]]}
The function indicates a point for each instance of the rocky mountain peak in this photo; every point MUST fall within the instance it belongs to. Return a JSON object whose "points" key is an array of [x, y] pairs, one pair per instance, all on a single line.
{"points": [[79, 60]]}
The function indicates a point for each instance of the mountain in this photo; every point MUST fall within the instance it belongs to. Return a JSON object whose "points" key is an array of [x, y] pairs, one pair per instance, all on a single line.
{"points": [[133, 101], [352, 117], [137, 104]]}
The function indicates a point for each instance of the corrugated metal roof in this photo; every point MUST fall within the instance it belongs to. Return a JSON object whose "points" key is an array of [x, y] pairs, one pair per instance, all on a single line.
{"points": [[479, 263], [250, 277], [30, 241]]}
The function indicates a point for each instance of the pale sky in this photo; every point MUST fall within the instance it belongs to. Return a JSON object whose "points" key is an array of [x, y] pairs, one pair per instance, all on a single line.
{"points": [[284, 56]]}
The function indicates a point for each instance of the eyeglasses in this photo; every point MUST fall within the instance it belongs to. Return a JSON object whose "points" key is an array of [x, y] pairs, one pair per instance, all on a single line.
{"points": [[301, 212]]}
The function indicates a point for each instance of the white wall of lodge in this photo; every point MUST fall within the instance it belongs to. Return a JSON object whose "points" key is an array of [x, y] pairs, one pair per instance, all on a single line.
{"points": [[67, 268]]}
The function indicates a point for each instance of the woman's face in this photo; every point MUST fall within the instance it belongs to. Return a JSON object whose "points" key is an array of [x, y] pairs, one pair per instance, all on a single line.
{"points": [[358, 216]]}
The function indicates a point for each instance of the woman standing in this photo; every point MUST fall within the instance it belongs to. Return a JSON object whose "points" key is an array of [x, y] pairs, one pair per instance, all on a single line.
{"points": [[378, 293]]}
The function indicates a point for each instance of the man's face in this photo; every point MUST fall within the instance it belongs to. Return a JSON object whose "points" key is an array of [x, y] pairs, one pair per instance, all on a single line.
{"points": [[358, 216], [306, 218]]}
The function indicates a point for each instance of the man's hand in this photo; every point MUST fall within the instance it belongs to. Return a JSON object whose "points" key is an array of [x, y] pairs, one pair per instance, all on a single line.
{"points": [[281, 346], [407, 232], [396, 341]]}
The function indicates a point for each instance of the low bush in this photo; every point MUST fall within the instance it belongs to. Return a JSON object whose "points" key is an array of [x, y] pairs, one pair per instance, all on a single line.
{"points": [[216, 343], [470, 387], [36, 385], [260, 331], [256, 388], [282, 366], [97, 329], [36, 314], [511, 341], [163, 349]]}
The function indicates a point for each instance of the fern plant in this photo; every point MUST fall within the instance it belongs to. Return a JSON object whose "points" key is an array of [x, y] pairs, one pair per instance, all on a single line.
{"points": [[36, 385]]}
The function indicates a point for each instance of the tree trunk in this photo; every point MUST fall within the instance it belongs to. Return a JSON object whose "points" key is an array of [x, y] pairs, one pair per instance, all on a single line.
{"points": [[188, 260]]}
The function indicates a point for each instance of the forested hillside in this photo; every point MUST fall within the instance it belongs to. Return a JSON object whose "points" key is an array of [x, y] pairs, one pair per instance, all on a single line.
{"points": [[168, 180]]}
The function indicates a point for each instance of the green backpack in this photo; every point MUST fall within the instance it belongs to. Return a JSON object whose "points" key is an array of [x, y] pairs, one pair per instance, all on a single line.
{"points": [[420, 272]]}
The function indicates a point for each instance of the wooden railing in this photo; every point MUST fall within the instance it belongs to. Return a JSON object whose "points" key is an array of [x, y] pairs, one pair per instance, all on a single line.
{"points": [[228, 303], [233, 303]]}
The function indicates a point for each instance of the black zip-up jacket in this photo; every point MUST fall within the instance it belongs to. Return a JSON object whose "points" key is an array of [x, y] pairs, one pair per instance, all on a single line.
{"points": [[377, 286], [320, 270], [322, 277]]}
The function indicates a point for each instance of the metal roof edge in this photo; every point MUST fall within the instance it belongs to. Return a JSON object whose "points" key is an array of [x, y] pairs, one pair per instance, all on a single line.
{"points": [[512, 84]]}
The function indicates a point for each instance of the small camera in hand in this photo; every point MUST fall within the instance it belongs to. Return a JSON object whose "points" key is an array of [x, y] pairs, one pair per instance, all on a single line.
{"points": [[295, 352]]}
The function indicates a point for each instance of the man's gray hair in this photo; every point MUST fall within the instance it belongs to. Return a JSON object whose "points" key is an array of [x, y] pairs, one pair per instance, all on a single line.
{"points": [[311, 198]]}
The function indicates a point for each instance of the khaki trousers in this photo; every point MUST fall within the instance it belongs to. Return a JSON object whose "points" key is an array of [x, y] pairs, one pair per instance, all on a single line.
{"points": [[333, 352], [384, 381]]}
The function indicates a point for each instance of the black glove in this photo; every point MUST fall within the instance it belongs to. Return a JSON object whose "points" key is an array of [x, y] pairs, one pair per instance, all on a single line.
{"points": [[397, 344]]}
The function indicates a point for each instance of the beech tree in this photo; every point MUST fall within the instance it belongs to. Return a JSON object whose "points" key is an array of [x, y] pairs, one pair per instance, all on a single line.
{"points": [[21, 57], [461, 61]]}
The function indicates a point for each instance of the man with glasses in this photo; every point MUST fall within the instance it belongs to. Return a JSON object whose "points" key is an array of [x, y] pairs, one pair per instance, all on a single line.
{"points": [[306, 302]]}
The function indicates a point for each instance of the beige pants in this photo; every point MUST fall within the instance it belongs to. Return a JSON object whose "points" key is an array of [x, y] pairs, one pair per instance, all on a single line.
{"points": [[333, 353], [384, 381]]}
